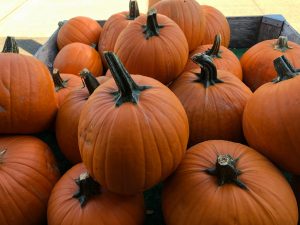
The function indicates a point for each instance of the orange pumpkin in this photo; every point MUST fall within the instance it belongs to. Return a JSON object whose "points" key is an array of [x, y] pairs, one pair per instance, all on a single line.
{"points": [[221, 182], [132, 133]]}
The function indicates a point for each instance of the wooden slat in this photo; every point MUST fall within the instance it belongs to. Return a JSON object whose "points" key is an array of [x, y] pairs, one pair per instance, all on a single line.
{"points": [[290, 32], [270, 28]]}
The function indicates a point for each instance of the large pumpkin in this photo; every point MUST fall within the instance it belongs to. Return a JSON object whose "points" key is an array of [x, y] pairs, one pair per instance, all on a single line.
{"points": [[132, 133], [159, 50], [257, 61], [214, 101], [78, 200], [28, 173], [27, 101], [79, 29], [221, 182], [271, 118], [189, 16]]}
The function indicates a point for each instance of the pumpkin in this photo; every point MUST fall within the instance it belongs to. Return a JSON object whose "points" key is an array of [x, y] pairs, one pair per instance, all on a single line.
{"points": [[79, 29], [68, 116], [214, 101], [114, 25], [271, 118], [221, 182], [223, 58], [78, 199], [257, 61], [159, 50], [27, 102], [216, 23], [75, 57], [189, 16], [10, 45], [28, 174], [132, 132]]}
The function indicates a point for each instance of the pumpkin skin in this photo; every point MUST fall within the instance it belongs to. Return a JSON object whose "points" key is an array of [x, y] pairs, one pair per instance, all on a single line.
{"points": [[104, 208], [216, 111], [162, 56], [79, 29], [129, 147], [191, 196], [271, 122], [28, 174], [27, 102], [185, 13], [76, 56], [216, 23], [257, 61]]}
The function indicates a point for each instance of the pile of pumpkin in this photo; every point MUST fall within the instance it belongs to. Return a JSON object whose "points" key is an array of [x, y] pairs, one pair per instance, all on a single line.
{"points": [[172, 108]]}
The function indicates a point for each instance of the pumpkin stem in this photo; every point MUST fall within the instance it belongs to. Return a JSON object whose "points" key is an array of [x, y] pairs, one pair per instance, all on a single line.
{"points": [[226, 171], [58, 81], [61, 23], [87, 188], [10, 45], [89, 81], [152, 27], [208, 74], [284, 69], [133, 10], [215, 51], [282, 44], [128, 91]]}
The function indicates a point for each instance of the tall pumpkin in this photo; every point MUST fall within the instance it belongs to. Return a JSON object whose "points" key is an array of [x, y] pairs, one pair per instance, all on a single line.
{"points": [[132, 132], [271, 118], [153, 46], [214, 101], [28, 173], [189, 16], [221, 182], [27, 101]]}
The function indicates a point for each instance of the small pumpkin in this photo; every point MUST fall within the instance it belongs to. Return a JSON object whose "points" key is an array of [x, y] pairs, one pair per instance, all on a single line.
{"points": [[221, 182], [78, 199], [79, 29], [10, 45], [132, 132]]}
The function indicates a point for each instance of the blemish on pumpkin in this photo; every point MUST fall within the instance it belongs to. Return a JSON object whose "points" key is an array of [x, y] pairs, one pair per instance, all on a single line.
{"points": [[2, 152], [2, 109]]}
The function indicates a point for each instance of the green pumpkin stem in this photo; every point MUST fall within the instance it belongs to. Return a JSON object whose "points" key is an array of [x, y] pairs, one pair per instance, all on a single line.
{"points": [[10, 45], [61, 23], [89, 81], [208, 74], [214, 51], [58, 81], [282, 44], [133, 10], [226, 171], [128, 91], [87, 188], [152, 27], [284, 69]]}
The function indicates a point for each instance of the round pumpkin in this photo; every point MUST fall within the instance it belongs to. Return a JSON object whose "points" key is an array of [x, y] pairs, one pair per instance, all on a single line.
{"points": [[159, 50], [221, 182], [223, 58], [27, 101], [78, 199], [189, 16], [28, 174], [79, 29], [257, 61], [214, 101], [76, 56], [132, 133], [271, 118]]}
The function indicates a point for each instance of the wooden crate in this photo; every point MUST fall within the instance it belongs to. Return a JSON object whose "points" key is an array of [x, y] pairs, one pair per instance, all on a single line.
{"points": [[245, 32]]}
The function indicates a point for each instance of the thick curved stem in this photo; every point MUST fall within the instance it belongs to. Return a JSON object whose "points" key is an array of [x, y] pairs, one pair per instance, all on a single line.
{"points": [[282, 44], [89, 81], [215, 52], [284, 69], [152, 27], [133, 10], [58, 81], [226, 171], [208, 74], [10, 45]]}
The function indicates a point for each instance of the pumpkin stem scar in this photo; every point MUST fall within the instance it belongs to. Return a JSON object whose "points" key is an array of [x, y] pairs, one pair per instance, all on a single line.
{"points": [[284, 69], [58, 81], [226, 171], [215, 51], [87, 188], [89, 80], [208, 74], [128, 91], [282, 44], [10, 45], [152, 27], [133, 10]]}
